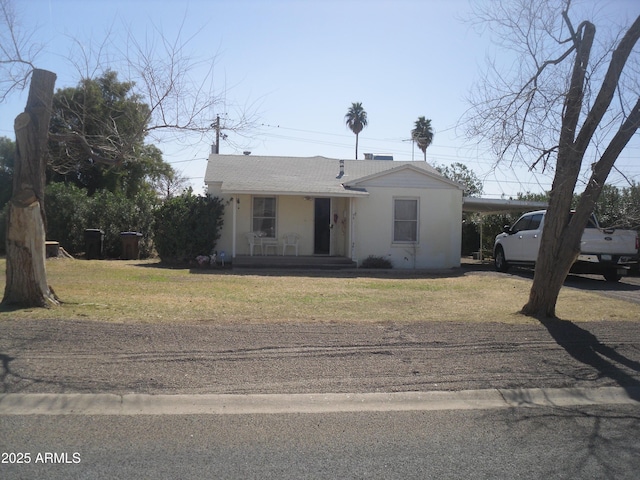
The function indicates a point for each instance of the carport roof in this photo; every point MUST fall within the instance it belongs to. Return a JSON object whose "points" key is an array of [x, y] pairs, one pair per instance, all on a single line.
{"points": [[493, 205]]}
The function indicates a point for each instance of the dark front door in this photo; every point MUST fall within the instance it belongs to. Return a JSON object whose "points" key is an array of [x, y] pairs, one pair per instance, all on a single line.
{"points": [[322, 230]]}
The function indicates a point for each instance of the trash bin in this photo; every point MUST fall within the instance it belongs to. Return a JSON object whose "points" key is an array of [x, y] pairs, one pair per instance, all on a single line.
{"points": [[52, 249], [93, 241], [130, 245]]}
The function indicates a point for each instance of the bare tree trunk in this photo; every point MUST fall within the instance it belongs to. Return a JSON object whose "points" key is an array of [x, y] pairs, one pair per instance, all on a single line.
{"points": [[560, 242], [551, 271], [26, 272]]}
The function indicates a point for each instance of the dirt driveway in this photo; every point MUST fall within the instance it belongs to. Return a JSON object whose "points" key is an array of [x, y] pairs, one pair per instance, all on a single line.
{"points": [[87, 356], [66, 357]]}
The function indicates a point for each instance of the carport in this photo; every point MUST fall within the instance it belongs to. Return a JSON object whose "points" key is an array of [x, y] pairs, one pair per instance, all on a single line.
{"points": [[491, 206]]}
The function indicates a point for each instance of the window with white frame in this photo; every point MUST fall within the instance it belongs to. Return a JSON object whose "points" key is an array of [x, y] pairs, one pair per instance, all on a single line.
{"points": [[405, 220], [264, 216]]}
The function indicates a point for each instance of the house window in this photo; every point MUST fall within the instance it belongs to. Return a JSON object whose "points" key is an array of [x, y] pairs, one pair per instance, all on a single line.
{"points": [[264, 216], [405, 220]]}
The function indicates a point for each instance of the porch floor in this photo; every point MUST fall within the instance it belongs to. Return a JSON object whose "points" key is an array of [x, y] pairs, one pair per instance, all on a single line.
{"points": [[310, 262]]}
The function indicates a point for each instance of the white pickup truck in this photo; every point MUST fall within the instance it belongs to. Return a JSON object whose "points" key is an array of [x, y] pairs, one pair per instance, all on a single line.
{"points": [[603, 251]]}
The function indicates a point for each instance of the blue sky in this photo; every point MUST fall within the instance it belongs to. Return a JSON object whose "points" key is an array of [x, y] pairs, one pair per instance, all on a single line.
{"points": [[298, 65]]}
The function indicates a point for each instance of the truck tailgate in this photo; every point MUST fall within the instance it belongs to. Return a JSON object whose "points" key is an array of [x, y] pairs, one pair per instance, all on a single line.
{"points": [[619, 242]]}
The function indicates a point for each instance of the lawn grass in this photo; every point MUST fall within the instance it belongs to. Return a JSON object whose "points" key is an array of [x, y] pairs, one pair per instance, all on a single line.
{"points": [[145, 291]]}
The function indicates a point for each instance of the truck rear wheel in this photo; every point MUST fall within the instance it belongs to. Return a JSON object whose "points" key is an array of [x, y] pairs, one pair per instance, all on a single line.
{"points": [[499, 261], [612, 276]]}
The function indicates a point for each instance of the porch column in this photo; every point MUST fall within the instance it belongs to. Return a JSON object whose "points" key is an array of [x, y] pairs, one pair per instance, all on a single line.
{"points": [[234, 226], [352, 230]]}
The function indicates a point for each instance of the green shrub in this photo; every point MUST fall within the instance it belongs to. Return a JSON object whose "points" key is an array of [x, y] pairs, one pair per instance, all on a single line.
{"points": [[66, 209], [470, 238], [70, 211], [4, 210], [376, 262], [115, 213], [187, 226]]}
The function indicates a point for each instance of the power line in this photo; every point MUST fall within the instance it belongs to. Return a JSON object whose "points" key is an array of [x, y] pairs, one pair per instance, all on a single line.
{"points": [[185, 161]]}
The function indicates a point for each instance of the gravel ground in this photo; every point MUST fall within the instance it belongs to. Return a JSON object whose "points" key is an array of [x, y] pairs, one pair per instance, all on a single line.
{"points": [[83, 357]]}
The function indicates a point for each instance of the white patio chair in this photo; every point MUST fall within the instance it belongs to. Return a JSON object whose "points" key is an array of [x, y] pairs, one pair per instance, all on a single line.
{"points": [[253, 239], [290, 240]]}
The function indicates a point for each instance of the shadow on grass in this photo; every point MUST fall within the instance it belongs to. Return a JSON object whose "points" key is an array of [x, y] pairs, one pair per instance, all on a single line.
{"points": [[271, 271], [8, 308], [332, 273], [599, 284], [586, 348]]}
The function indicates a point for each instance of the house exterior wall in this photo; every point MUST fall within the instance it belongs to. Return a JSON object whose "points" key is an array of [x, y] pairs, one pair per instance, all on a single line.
{"points": [[294, 214], [363, 226], [439, 224]]}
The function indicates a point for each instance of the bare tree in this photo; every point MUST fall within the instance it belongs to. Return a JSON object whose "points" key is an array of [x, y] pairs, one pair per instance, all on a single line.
{"points": [[163, 74], [169, 186], [564, 103]]}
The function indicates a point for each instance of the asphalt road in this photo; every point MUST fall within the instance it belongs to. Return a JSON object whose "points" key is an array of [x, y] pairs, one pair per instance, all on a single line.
{"points": [[599, 442], [627, 289]]}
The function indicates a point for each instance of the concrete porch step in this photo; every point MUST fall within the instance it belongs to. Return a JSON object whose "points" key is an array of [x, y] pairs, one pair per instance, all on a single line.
{"points": [[292, 262]]}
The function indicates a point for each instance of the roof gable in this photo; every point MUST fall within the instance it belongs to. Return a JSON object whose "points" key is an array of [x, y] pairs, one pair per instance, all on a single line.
{"points": [[405, 176]]}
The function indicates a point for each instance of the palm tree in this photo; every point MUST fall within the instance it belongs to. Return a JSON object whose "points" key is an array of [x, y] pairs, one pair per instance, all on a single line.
{"points": [[356, 120], [422, 134]]}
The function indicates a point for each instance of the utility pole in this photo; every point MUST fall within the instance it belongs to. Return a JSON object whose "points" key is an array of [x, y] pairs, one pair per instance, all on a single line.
{"points": [[217, 127], [413, 145]]}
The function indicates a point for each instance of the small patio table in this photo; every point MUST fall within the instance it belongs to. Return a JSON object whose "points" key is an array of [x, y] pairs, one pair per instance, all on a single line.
{"points": [[269, 242]]}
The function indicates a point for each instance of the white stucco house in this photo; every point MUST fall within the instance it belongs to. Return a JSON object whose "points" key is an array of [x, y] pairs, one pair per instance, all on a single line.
{"points": [[404, 211]]}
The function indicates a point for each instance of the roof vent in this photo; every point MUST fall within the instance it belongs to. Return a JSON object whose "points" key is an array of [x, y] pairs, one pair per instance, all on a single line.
{"points": [[378, 156], [341, 174], [246, 152]]}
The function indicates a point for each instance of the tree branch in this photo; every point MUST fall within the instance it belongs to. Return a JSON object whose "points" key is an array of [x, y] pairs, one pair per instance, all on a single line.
{"points": [[81, 141], [603, 167], [17, 52], [609, 85]]}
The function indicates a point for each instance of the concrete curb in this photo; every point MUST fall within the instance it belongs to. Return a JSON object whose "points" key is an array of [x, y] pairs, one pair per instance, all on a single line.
{"points": [[221, 404]]}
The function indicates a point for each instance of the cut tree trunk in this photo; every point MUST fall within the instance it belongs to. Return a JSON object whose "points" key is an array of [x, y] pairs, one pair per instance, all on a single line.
{"points": [[26, 232]]}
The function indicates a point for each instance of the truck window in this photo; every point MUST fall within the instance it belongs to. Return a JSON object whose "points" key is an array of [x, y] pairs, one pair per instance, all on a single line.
{"points": [[535, 222], [591, 223], [522, 224]]}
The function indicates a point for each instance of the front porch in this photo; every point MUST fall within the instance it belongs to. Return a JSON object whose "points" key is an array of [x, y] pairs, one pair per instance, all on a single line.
{"points": [[303, 262]]}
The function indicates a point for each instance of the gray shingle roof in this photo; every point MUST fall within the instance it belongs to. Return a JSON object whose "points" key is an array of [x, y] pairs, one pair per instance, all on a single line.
{"points": [[296, 175]]}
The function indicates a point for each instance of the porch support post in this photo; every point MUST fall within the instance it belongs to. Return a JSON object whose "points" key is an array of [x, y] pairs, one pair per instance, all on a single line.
{"points": [[480, 256], [331, 234], [234, 228], [352, 230]]}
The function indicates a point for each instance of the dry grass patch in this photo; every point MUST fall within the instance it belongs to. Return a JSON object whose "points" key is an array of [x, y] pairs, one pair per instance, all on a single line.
{"points": [[143, 291]]}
